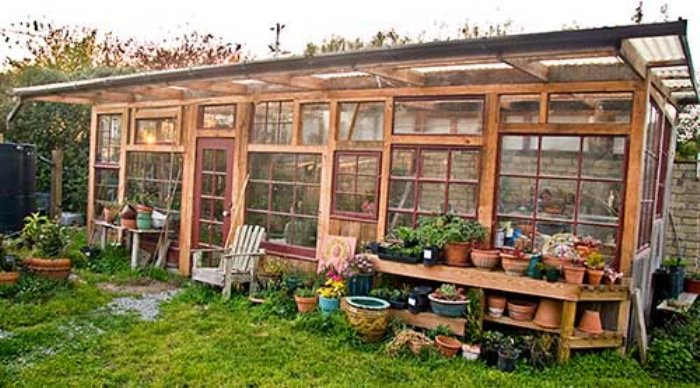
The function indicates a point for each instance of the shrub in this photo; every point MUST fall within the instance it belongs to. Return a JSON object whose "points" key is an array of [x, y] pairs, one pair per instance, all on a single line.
{"points": [[672, 360]]}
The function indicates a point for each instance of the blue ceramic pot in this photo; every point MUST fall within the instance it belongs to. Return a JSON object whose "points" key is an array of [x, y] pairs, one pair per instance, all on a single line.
{"points": [[144, 221], [328, 305], [360, 285], [447, 308]]}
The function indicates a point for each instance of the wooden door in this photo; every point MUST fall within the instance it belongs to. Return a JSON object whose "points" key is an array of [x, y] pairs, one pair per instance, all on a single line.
{"points": [[213, 188]]}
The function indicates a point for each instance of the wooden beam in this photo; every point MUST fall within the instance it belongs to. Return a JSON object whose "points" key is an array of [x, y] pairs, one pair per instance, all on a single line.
{"points": [[303, 82], [162, 92], [66, 99], [222, 86], [406, 76], [530, 67]]}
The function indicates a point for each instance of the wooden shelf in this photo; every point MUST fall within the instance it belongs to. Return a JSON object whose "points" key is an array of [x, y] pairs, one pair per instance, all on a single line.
{"points": [[504, 320], [616, 293], [581, 340], [430, 321]]}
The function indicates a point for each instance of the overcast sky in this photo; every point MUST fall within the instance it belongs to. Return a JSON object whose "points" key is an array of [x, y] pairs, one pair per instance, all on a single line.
{"points": [[248, 22]]}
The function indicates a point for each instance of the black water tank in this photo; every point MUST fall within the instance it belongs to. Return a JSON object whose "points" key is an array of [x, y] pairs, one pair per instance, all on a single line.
{"points": [[17, 185]]}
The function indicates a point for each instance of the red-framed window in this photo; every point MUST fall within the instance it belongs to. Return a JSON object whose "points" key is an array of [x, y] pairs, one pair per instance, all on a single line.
{"points": [[650, 177], [219, 116], [562, 184], [283, 195], [109, 139], [431, 180], [356, 182]]}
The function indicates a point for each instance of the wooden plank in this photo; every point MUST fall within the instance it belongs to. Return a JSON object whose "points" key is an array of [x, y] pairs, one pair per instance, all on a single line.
{"points": [[504, 320], [221, 86], [456, 140], [287, 80], [581, 340], [386, 167], [160, 92], [56, 184], [489, 157], [568, 316], [532, 68], [604, 294], [430, 321], [569, 129], [90, 216], [405, 76], [189, 124], [324, 209], [483, 279]]}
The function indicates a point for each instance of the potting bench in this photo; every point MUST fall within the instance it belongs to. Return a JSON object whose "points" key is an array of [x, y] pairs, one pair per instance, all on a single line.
{"points": [[570, 295], [135, 238]]}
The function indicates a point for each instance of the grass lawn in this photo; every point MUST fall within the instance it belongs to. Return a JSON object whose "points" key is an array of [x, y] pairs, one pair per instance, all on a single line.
{"points": [[66, 338]]}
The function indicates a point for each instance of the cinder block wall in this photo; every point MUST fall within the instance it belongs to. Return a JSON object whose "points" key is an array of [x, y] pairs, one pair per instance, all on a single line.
{"points": [[683, 235]]}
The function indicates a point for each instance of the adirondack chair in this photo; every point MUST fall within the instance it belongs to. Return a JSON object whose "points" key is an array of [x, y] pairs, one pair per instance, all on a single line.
{"points": [[238, 263]]}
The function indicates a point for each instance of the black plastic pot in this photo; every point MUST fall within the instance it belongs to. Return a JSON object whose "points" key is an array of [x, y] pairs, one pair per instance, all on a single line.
{"points": [[489, 356], [418, 301], [430, 256], [552, 275], [506, 363], [668, 283], [399, 304]]}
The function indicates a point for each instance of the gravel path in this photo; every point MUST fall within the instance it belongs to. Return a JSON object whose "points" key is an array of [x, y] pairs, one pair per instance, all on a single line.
{"points": [[147, 306]]}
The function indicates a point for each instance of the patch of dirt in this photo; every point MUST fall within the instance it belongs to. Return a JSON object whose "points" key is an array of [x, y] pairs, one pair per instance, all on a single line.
{"points": [[141, 287]]}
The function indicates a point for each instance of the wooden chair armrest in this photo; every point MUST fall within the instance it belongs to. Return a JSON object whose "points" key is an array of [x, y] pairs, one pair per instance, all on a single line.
{"points": [[258, 253]]}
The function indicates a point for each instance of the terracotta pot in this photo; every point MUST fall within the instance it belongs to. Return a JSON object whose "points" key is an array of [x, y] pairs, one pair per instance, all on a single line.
{"points": [[496, 305], [471, 352], [692, 286], [129, 223], [514, 265], [555, 261], [548, 314], [128, 213], [58, 269], [448, 346], [594, 276], [8, 278], [144, 209], [305, 305], [574, 274], [457, 254], [109, 215], [583, 250], [590, 322], [521, 310], [485, 258]]}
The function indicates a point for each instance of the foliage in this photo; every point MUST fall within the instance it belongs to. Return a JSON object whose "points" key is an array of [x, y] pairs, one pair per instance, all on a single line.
{"points": [[449, 292], [439, 330], [543, 350], [272, 267], [674, 351], [437, 231], [358, 264], [674, 262], [278, 304], [508, 348], [474, 315], [333, 288], [305, 292], [688, 130], [407, 235], [112, 260], [52, 241], [32, 228], [595, 260], [33, 288]]}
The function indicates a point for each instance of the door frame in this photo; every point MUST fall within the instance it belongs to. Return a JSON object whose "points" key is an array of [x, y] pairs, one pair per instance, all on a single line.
{"points": [[220, 143]]}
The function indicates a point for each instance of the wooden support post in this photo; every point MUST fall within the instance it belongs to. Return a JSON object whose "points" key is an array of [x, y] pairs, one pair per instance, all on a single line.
{"points": [[56, 184], [568, 316]]}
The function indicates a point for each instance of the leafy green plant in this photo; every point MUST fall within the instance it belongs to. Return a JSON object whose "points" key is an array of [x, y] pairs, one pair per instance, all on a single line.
{"points": [[508, 348], [674, 262], [474, 315], [111, 260], [52, 241], [407, 235], [671, 359], [437, 231], [440, 330], [32, 227], [449, 292], [543, 349], [595, 260], [305, 292]]}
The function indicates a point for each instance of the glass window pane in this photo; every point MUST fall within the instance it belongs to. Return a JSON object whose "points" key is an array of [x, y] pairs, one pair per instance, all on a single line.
{"points": [[282, 198], [282, 167], [435, 116], [464, 165], [108, 139], [256, 219], [516, 196], [606, 234], [346, 164], [368, 165], [462, 199], [559, 156], [516, 232], [272, 123], [366, 185], [257, 196], [348, 203], [259, 165], [363, 121], [556, 199], [305, 231], [397, 220], [403, 162], [315, 120], [431, 197], [434, 164], [281, 229], [523, 108], [546, 229], [309, 168], [307, 200], [519, 155], [401, 195], [600, 202], [345, 183], [603, 157], [579, 108], [218, 116], [156, 131]]}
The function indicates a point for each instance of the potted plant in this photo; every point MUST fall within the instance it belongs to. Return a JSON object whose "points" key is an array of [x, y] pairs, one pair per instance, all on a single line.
{"points": [[8, 266], [490, 343], [521, 310], [611, 275], [432, 237], [110, 211], [331, 291], [673, 273], [369, 316], [49, 253], [359, 272], [144, 210], [595, 268], [127, 216], [514, 262], [486, 259], [508, 355], [692, 282], [460, 236], [448, 300], [496, 305], [551, 273], [448, 346], [586, 245], [398, 297], [574, 272], [32, 228], [306, 299]]}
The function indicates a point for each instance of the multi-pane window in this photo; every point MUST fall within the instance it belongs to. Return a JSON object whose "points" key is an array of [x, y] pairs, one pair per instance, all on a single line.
{"points": [[217, 116], [431, 180], [650, 187], [315, 123], [272, 123], [581, 108], [439, 116], [106, 188], [156, 131], [361, 121], [159, 175], [519, 108], [283, 196], [562, 184], [356, 184], [109, 135]]}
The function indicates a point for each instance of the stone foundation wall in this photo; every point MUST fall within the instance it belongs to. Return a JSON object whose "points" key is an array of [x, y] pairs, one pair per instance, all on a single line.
{"points": [[683, 234]]}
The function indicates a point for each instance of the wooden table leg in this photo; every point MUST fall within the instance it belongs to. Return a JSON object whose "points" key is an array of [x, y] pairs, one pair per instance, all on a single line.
{"points": [[103, 237], [135, 250], [568, 315]]}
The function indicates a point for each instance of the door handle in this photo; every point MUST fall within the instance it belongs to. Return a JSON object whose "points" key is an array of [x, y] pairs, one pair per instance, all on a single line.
{"points": [[225, 213]]}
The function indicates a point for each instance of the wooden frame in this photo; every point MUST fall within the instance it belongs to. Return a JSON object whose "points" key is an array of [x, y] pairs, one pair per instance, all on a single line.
{"points": [[338, 214]]}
